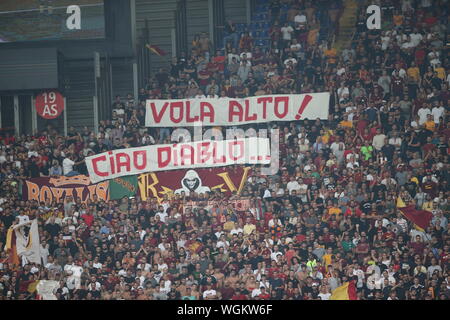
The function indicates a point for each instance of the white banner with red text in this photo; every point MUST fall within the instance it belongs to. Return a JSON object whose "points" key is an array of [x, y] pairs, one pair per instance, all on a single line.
{"points": [[230, 111], [199, 154]]}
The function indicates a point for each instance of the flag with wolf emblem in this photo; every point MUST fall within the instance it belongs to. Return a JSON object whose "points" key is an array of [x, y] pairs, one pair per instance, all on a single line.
{"points": [[23, 242]]}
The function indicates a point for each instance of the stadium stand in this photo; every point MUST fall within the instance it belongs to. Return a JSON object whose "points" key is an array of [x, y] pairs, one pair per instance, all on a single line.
{"points": [[360, 198]]}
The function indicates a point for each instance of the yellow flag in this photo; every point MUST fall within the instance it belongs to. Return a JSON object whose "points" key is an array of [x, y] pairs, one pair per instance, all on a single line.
{"points": [[340, 293], [9, 239], [400, 203], [32, 286]]}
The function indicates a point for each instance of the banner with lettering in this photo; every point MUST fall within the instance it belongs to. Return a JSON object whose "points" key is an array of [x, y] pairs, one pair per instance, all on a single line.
{"points": [[122, 187], [58, 188], [198, 154], [182, 182], [230, 111]]}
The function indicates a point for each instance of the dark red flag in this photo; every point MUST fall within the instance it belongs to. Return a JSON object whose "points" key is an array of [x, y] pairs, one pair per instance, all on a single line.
{"points": [[421, 218]]}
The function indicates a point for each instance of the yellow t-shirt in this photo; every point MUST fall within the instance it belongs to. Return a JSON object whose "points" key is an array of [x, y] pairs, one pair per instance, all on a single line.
{"points": [[326, 260], [249, 228], [312, 36], [398, 20], [334, 210], [228, 226], [414, 73], [440, 73], [348, 124], [331, 55], [430, 125], [326, 137]]}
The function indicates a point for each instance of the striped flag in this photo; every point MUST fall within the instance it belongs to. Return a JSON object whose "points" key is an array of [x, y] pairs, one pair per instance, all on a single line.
{"points": [[11, 249], [345, 292], [156, 50]]}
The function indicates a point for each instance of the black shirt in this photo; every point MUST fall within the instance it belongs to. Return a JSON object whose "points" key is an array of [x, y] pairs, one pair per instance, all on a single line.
{"points": [[411, 187], [34, 170], [379, 187], [442, 147], [53, 229], [7, 220], [388, 150]]}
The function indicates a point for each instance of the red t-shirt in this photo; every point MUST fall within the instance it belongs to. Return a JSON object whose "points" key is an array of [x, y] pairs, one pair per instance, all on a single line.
{"points": [[300, 238], [430, 21], [88, 219], [204, 73], [428, 147], [362, 124], [264, 296], [220, 62], [420, 56]]}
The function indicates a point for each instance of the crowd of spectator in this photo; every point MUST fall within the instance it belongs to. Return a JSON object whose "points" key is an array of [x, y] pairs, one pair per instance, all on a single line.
{"points": [[328, 215]]}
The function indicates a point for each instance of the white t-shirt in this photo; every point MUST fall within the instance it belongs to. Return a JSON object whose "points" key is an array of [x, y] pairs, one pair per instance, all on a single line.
{"points": [[293, 185], [340, 72], [274, 255], [120, 112], [434, 62], [395, 142], [416, 38], [350, 112], [77, 271], [162, 216], [300, 18], [407, 45], [401, 73], [341, 91], [293, 60], [33, 154], [324, 296], [97, 265], [335, 146], [247, 54], [385, 42], [231, 56], [163, 266], [287, 32], [378, 141], [423, 113], [437, 112], [223, 244], [296, 47], [236, 231], [211, 293], [94, 287], [256, 292], [67, 166]]}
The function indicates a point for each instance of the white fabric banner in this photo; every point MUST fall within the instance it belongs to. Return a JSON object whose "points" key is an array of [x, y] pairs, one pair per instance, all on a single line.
{"points": [[199, 154], [45, 289], [230, 111], [28, 242]]}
